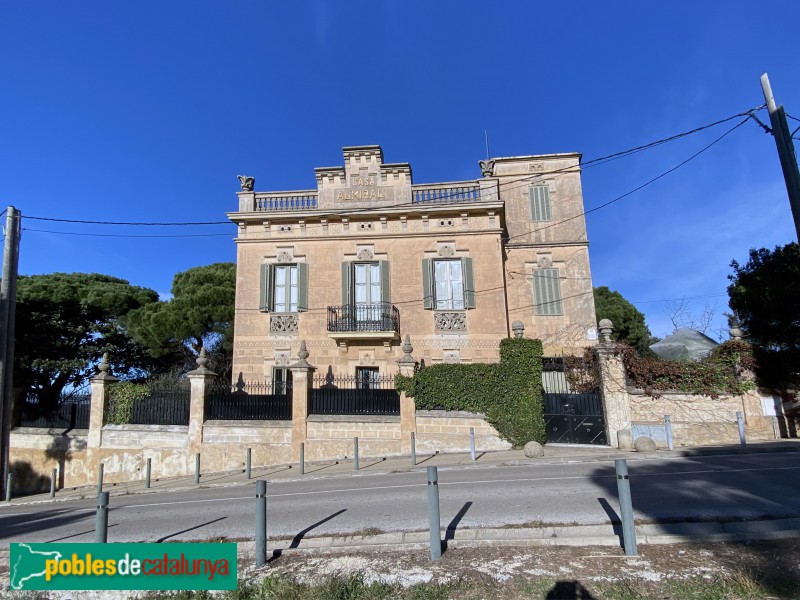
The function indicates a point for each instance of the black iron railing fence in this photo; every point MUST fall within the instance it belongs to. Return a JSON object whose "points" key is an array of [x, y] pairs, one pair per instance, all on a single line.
{"points": [[352, 395], [71, 412], [158, 407], [381, 316], [250, 401]]}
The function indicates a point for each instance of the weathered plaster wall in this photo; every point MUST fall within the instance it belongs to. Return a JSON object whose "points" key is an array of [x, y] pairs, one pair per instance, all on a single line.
{"points": [[702, 420], [448, 431]]}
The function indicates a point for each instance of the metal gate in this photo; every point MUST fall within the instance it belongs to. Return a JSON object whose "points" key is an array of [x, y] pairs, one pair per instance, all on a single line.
{"points": [[571, 416]]}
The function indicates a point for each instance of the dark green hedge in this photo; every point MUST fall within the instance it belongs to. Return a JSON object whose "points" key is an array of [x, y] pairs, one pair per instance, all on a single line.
{"points": [[509, 393]]}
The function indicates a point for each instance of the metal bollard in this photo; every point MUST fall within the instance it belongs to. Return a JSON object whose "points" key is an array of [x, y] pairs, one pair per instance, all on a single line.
{"points": [[434, 519], [197, 468], [100, 478], [261, 523], [53, 483], [626, 507], [472, 443], [355, 453], [668, 427], [9, 482], [413, 450], [101, 520], [740, 422], [247, 464], [302, 458], [147, 474]]}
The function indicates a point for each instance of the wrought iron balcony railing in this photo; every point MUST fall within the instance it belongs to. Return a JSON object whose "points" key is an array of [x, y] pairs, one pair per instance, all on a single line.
{"points": [[380, 317]]}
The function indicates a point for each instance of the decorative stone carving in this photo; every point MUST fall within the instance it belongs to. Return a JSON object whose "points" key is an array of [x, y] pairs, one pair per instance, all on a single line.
{"points": [[366, 360], [518, 327], [302, 355], [447, 251], [539, 167], [544, 261], [282, 359], [487, 167], [606, 329], [284, 257], [247, 182], [451, 356], [365, 254], [283, 323], [450, 321]]}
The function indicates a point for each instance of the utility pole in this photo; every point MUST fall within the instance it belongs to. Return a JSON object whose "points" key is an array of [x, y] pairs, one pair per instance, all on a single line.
{"points": [[783, 140], [8, 301]]}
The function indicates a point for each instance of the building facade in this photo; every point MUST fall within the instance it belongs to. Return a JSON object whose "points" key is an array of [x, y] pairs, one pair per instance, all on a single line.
{"points": [[368, 256]]}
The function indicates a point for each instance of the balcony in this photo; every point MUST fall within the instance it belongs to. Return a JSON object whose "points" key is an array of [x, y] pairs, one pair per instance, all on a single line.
{"points": [[354, 322]]}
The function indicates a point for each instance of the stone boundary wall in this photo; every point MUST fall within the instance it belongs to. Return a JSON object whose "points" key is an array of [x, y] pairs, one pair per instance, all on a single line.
{"points": [[448, 431], [699, 420]]}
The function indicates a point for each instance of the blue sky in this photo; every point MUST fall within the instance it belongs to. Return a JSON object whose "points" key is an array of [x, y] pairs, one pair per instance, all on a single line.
{"points": [[148, 111]]}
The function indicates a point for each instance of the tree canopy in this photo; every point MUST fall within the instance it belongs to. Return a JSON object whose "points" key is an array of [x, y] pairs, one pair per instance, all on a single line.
{"points": [[199, 313], [64, 324], [629, 324], [764, 298]]}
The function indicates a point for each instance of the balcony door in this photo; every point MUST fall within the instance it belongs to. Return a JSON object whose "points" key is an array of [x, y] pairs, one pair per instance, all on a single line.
{"points": [[367, 291]]}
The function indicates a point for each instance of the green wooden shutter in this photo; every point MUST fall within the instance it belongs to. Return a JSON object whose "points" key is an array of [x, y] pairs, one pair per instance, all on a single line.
{"points": [[540, 203], [547, 292], [265, 293], [469, 283], [302, 287], [427, 283], [347, 285], [386, 282]]}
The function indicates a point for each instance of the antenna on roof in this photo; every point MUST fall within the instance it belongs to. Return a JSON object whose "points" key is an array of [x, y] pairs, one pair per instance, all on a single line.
{"points": [[486, 136]]}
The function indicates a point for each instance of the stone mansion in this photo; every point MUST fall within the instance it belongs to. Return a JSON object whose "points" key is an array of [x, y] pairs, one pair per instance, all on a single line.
{"points": [[369, 256]]}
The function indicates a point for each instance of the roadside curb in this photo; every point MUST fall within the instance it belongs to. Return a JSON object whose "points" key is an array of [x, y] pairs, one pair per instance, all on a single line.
{"points": [[88, 492]]}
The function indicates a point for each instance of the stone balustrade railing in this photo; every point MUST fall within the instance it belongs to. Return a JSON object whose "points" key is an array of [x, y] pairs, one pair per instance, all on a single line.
{"points": [[279, 201], [446, 193]]}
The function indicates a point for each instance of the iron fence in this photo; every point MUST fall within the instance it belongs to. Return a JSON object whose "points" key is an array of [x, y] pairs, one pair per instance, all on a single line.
{"points": [[250, 401], [354, 395], [70, 413], [162, 407]]}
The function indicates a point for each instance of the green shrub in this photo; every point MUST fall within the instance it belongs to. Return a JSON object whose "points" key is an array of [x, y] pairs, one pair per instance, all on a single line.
{"points": [[509, 393], [121, 397]]}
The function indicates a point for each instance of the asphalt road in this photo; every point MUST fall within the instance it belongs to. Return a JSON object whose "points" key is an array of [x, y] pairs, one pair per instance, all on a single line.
{"points": [[746, 486]]}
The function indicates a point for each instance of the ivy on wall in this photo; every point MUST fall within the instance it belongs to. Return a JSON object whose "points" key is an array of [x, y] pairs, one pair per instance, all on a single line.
{"points": [[509, 393], [121, 397], [718, 373]]}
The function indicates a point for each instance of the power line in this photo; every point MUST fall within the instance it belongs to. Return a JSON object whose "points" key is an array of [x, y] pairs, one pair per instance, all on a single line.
{"points": [[677, 299], [509, 185], [636, 189], [114, 235]]}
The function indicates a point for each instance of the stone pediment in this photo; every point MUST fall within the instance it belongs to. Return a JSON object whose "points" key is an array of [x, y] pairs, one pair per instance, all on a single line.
{"points": [[365, 180]]}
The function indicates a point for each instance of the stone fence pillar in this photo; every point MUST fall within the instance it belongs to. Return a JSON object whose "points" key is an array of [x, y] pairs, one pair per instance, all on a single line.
{"points": [[408, 410], [200, 381], [302, 374], [100, 385], [614, 389]]}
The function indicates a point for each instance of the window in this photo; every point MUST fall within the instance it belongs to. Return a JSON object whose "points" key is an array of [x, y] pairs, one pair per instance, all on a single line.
{"points": [[448, 284], [540, 203], [547, 292], [366, 283], [281, 380], [285, 296], [284, 288], [367, 378]]}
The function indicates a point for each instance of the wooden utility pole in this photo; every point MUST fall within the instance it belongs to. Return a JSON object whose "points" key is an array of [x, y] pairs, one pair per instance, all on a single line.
{"points": [[783, 140], [8, 301]]}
